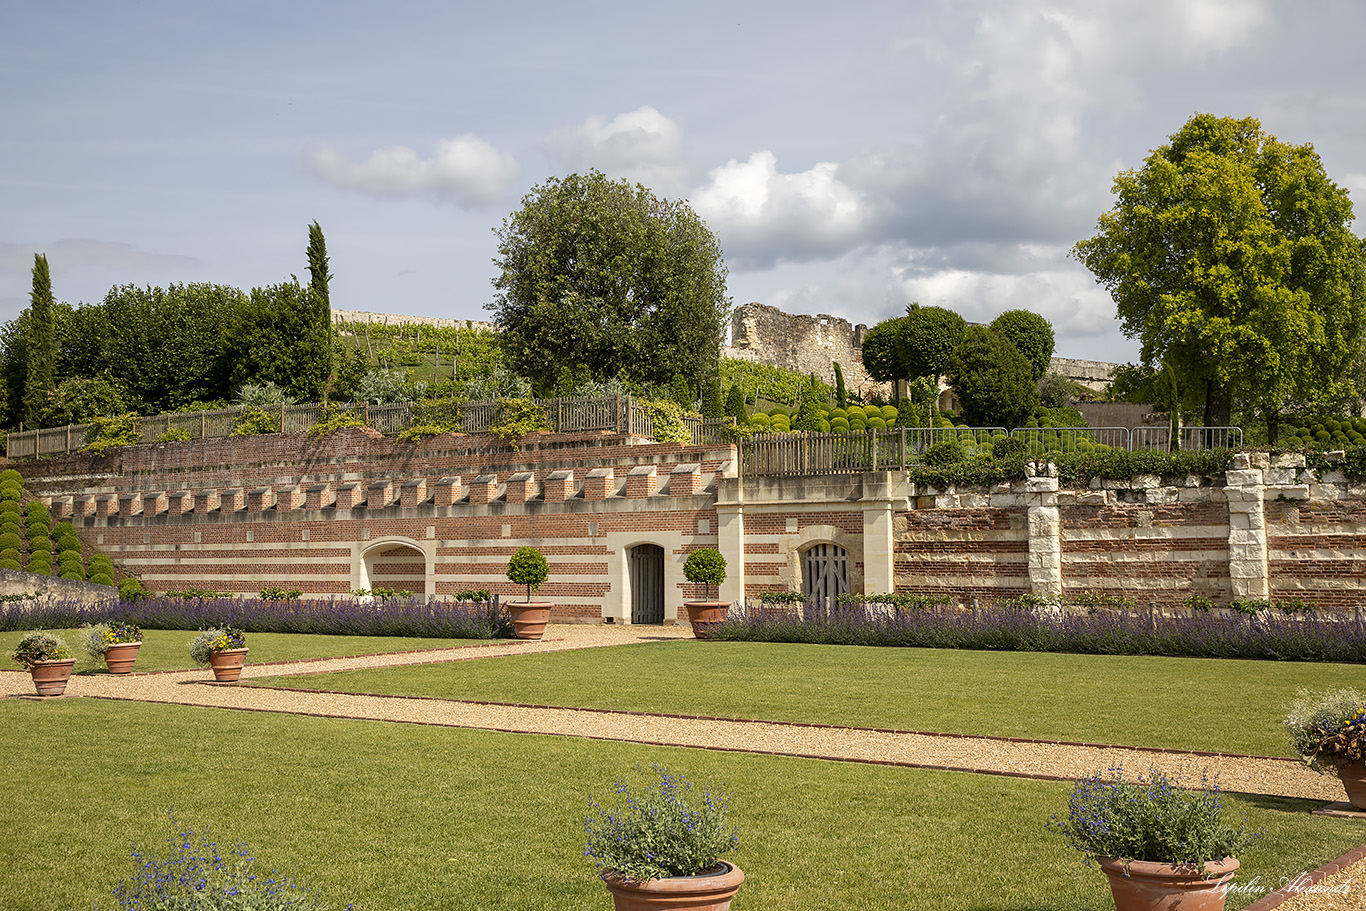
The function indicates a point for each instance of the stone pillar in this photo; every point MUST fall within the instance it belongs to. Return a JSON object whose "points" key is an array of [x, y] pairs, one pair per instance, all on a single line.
{"points": [[730, 541], [879, 570], [1045, 529], [1248, 566]]}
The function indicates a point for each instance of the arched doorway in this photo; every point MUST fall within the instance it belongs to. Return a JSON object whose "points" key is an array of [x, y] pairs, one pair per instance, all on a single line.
{"points": [[645, 564], [396, 566], [825, 572]]}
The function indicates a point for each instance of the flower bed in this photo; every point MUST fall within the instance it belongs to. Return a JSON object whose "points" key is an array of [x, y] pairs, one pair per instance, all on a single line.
{"points": [[399, 617], [1266, 636]]}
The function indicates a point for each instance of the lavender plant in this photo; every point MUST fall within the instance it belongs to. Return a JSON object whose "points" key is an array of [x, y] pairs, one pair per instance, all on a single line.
{"points": [[195, 875], [668, 828], [1328, 729], [1152, 819]]}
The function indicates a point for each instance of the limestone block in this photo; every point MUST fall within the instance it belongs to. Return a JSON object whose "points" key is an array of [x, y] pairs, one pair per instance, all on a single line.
{"points": [[1041, 485], [1035, 500], [1357, 491], [1193, 480], [973, 500], [1288, 460], [1279, 476], [1241, 461], [1293, 492], [1044, 522], [1332, 476], [1247, 520], [1092, 498], [1244, 497], [1116, 484], [1000, 487], [1259, 460], [948, 501], [1246, 569], [1146, 482], [1328, 491], [1006, 500], [1252, 477], [1162, 495], [1244, 536], [1195, 495]]}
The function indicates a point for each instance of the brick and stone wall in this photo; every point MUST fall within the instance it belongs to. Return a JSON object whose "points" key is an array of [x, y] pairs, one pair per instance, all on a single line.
{"points": [[356, 510]]}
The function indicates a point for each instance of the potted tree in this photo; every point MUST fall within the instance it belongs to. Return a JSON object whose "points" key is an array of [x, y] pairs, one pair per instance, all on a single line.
{"points": [[660, 846], [708, 567], [48, 659], [116, 643], [1328, 731], [224, 649], [528, 567], [1161, 846]]}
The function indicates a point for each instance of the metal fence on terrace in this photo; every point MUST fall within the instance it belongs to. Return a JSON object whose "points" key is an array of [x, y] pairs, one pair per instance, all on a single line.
{"points": [[895, 448], [581, 414]]}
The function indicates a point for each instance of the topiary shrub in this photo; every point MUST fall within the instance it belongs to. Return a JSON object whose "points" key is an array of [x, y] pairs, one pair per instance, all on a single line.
{"points": [[528, 567], [945, 452], [11, 491], [130, 589], [9, 540], [101, 579], [39, 562], [40, 544], [706, 566], [1008, 448]]}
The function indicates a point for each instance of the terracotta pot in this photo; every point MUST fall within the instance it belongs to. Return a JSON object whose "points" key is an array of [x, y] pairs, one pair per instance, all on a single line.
{"points": [[227, 664], [703, 615], [704, 892], [120, 656], [529, 617], [1353, 775], [1146, 886], [50, 677]]}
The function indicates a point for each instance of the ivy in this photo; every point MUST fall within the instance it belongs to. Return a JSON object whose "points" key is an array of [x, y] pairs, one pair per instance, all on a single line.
{"points": [[517, 418], [109, 431], [666, 421]]}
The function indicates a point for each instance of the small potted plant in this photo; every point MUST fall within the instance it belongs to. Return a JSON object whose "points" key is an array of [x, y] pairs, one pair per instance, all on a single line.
{"points": [[708, 567], [660, 846], [116, 643], [48, 659], [528, 567], [1328, 731], [1161, 846], [222, 648]]}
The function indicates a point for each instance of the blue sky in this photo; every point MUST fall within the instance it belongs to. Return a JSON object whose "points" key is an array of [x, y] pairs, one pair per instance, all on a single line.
{"points": [[851, 158]]}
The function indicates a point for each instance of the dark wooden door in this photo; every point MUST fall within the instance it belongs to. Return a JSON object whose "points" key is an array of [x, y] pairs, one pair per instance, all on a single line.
{"points": [[645, 563]]}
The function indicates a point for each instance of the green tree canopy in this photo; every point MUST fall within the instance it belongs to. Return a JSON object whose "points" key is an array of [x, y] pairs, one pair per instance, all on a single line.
{"points": [[270, 339], [881, 350], [605, 274], [1229, 258], [929, 338], [1032, 336], [992, 379]]}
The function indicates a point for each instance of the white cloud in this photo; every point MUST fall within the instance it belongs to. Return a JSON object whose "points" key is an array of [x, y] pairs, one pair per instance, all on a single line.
{"points": [[80, 252], [642, 146], [762, 216], [465, 171]]}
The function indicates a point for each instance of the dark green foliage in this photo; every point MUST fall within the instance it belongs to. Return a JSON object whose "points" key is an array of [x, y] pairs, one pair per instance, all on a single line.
{"points": [[80, 399], [680, 392], [707, 566], [1032, 336], [9, 540], [109, 431], [930, 337], [992, 380], [945, 452], [908, 414], [1055, 391], [1008, 448], [712, 405], [9, 475], [319, 336], [881, 350], [272, 338], [130, 589], [101, 579], [841, 394], [40, 544], [1081, 467], [39, 562], [40, 344], [735, 405], [528, 567], [811, 410], [604, 273]]}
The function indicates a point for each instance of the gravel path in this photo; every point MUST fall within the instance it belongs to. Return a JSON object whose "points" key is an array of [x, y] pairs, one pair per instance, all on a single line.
{"points": [[1035, 759]]}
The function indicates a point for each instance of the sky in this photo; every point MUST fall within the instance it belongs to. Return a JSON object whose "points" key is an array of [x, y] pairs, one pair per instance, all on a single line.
{"points": [[851, 158]]}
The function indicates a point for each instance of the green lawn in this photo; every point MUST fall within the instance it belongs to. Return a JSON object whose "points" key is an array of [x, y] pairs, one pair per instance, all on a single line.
{"points": [[169, 650], [1179, 703], [395, 817]]}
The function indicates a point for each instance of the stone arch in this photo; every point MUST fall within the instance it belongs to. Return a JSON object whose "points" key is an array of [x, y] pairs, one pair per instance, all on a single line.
{"points": [[396, 562]]}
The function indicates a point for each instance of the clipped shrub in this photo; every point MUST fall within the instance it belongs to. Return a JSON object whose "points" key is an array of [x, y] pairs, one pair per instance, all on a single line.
{"points": [[707, 566], [9, 540], [130, 589], [11, 490], [11, 474], [40, 544], [945, 452], [101, 563], [9, 559], [39, 562], [101, 579], [528, 567]]}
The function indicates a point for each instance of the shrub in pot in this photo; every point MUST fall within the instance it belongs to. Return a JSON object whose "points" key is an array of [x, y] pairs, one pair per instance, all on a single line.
{"points": [[708, 567], [116, 643], [1328, 731], [660, 845], [224, 649], [1159, 845], [48, 660], [528, 567]]}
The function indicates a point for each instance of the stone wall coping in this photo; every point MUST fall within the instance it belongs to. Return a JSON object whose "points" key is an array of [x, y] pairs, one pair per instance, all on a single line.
{"points": [[563, 474], [415, 482], [602, 473], [642, 471], [381, 484], [521, 476], [687, 468], [449, 481], [486, 479]]}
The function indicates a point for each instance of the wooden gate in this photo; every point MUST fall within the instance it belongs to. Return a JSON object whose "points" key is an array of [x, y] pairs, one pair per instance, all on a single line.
{"points": [[825, 572], [645, 563]]}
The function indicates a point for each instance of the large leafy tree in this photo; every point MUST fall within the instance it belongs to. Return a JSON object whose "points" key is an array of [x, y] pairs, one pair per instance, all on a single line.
{"points": [[1229, 258], [916, 345], [1032, 336], [994, 382], [270, 340], [604, 274]]}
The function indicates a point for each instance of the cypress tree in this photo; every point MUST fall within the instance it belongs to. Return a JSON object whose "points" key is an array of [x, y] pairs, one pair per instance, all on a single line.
{"points": [[41, 347], [320, 306]]}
